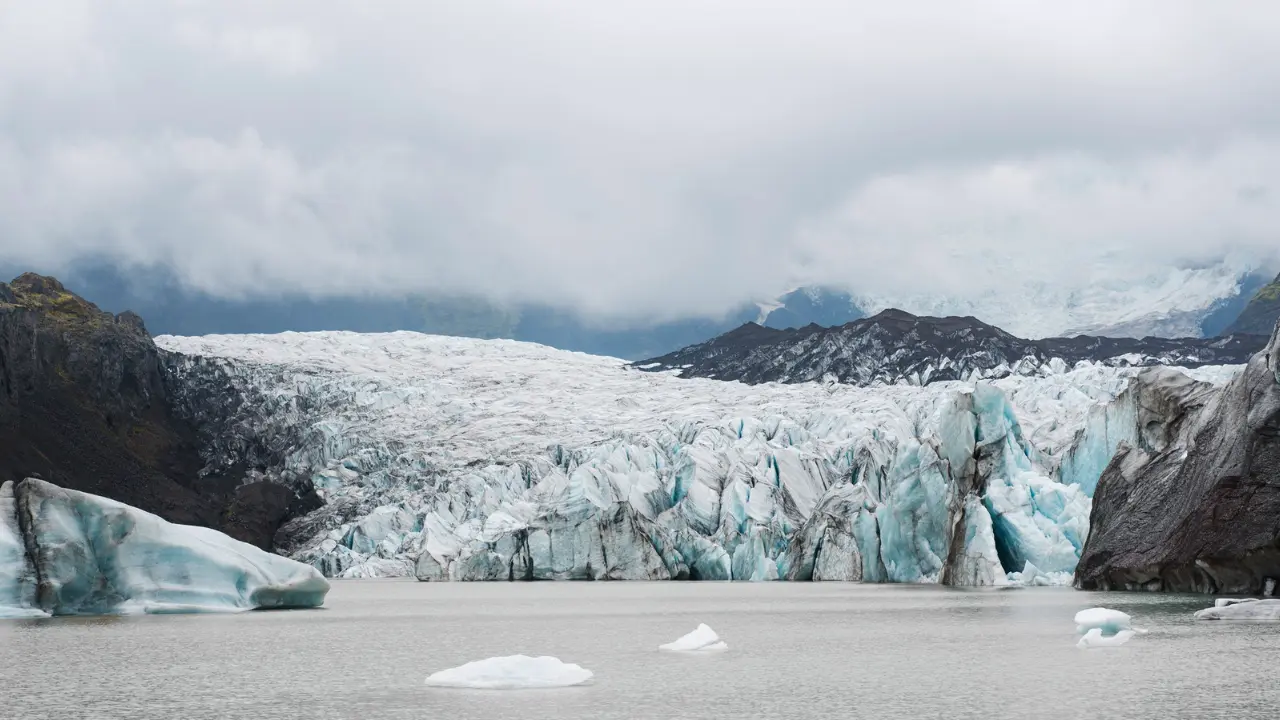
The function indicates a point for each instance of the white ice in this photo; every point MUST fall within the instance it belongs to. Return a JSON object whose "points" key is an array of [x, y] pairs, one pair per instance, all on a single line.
{"points": [[1032, 576], [702, 639], [513, 672], [97, 556], [1104, 620], [498, 459], [1245, 609], [1095, 639]]}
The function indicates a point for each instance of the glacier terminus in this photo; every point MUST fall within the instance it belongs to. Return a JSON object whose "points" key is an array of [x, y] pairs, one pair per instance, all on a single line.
{"points": [[460, 459]]}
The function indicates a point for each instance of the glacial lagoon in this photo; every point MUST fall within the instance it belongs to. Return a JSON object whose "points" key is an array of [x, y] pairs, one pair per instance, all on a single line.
{"points": [[797, 650]]}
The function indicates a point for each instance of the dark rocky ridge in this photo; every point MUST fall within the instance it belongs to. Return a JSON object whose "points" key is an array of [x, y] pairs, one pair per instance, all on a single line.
{"points": [[895, 346], [87, 402], [1261, 313], [1198, 509]]}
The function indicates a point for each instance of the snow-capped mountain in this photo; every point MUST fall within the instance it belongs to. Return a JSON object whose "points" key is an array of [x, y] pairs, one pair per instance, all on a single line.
{"points": [[898, 347], [450, 458], [1169, 302]]}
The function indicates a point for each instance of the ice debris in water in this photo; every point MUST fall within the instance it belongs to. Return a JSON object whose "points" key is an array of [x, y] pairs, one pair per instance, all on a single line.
{"points": [[513, 672], [701, 640], [1244, 609], [1105, 621], [1095, 639], [1033, 576]]}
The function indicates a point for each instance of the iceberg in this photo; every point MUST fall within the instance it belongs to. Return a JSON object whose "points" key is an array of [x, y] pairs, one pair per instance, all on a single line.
{"points": [[703, 639], [457, 459], [1246, 609], [81, 554], [1095, 639], [1105, 621], [513, 672]]}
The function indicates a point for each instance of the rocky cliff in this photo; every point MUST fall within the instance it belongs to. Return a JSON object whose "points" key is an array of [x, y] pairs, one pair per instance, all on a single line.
{"points": [[86, 403], [1195, 505]]}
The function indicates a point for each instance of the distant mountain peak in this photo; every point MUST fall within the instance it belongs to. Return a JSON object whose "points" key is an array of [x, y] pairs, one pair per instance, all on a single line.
{"points": [[895, 346]]}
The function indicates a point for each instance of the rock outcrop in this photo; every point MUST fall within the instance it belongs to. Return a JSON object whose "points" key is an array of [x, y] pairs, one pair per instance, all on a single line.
{"points": [[1196, 506], [895, 347], [1261, 313], [87, 402]]}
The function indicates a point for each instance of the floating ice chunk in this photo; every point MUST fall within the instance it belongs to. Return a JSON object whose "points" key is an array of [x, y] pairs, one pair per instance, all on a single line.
{"points": [[1223, 602], [1107, 622], [703, 639], [95, 556], [1095, 639], [1259, 610], [513, 672]]}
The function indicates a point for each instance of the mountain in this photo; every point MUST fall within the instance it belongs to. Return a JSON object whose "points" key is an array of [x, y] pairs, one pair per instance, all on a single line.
{"points": [[1262, 312], [810, 306], [1198, 300], [87, 402], [896, 347], [171, 308], [1171, 302]]}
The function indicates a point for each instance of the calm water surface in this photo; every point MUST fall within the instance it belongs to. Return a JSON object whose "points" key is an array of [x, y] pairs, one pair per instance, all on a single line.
{"points": [[803, 650]]}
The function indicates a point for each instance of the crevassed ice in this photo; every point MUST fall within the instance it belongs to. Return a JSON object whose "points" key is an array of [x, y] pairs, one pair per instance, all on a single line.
{"points": [[492, 460]]}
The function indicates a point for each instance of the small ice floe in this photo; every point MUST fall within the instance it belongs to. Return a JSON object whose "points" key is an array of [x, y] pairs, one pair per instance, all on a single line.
{"points": [[1241, 609], [513, 672], [701, 640], [1105, 621], [1095, 639]]}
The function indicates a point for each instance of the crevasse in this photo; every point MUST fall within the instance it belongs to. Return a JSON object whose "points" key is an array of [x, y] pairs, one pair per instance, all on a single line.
{"points": [[459, 459]]}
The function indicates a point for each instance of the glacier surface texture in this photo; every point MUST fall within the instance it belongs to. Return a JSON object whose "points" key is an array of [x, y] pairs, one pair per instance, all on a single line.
{"points": [[460, 459], [64, 552]]}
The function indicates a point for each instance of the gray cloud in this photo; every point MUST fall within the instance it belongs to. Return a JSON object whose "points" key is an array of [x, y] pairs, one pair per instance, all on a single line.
{"points": [[639, 158]]}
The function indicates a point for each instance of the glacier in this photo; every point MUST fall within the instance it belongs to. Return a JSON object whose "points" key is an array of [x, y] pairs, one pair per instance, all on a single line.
{"points": [[64, 552], [460, 459]]}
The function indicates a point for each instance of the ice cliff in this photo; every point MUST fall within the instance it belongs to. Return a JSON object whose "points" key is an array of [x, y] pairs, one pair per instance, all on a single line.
{"points": [[64, 552], [460, 459]]}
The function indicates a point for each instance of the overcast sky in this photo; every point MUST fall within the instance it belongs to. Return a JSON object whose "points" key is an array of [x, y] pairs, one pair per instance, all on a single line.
{"points": [[630, 158]]}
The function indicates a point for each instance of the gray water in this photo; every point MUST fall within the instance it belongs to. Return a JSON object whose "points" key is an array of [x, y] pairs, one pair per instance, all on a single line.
{"points": [[797, 650]]}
